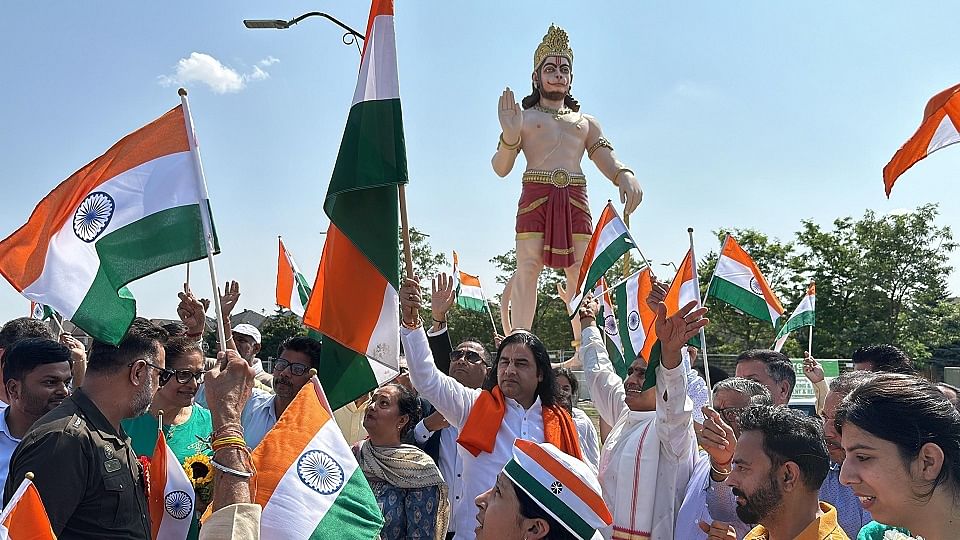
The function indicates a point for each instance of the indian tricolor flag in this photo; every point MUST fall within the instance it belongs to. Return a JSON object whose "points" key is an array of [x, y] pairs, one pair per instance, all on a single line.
{"points": [[469, 291], [171, 494], [129, 213], [609, 242], [636, 319], [25, 517], [355, 303], [684, 288], [738, 282], [611, 329], [293, 291], [308, 481], [940, 128], [804, 315]]}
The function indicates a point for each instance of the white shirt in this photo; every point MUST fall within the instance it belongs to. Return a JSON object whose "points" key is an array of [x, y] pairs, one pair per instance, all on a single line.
{"points": [[455, 401], [694, 507], [451, 467], [588, 438], [648, 456], [7, 444]]}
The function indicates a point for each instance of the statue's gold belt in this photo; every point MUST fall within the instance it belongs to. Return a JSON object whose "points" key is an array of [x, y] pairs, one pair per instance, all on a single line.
{"points": [[560, 178]]}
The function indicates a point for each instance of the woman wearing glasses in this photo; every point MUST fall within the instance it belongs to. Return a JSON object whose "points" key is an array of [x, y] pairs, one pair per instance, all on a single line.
{"points": [[184, 422]]}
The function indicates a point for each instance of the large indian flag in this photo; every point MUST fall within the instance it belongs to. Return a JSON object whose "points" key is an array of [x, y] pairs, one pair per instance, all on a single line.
{"points": [[355, 303], [308, 481], [804, 315], [609, 242], [636, 319], [293, 291], [737, 281], [131, 212]]}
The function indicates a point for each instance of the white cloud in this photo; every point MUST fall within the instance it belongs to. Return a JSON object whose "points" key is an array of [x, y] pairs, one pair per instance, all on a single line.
{"points": [[205, 69]]}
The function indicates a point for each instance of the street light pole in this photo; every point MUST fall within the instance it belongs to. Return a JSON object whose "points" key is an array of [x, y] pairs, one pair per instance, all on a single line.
{"points": [[350, 35]]}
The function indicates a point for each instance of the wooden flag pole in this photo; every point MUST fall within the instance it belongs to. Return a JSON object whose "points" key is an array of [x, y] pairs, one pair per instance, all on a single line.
{"points": [[405, 231], [703, 336], [204, 215]]}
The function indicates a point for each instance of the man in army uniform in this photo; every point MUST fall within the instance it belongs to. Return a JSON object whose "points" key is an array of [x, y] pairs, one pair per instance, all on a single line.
{"points": [[85, 470]]}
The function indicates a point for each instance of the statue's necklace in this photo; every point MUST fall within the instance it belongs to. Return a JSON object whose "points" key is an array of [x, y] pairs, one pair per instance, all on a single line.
{"points": [[556, 113]]}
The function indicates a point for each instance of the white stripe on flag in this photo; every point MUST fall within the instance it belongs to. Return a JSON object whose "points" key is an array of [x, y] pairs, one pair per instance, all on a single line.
{"points": [[378, 74]]}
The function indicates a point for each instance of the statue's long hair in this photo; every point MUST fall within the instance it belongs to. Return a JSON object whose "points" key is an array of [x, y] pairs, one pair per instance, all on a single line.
{"points": [[534, 97]]}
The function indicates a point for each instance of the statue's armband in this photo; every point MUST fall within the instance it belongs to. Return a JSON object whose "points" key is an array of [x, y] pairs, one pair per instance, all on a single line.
{"points": [[602, 142]]}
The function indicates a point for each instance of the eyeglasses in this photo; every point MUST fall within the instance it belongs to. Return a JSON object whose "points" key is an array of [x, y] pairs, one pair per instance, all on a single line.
{"points": [[472, 357], [296, 368], [183, 376], [730, 414], [165, 374]]}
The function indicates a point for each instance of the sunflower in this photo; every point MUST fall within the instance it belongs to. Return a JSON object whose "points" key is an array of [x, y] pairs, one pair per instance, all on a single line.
{"points": [[198, 470]]}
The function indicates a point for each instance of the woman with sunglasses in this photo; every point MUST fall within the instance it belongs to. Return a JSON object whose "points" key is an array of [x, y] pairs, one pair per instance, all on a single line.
{"points": [[184, 422]]}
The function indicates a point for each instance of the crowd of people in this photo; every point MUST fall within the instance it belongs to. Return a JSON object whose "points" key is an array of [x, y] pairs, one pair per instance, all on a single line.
{"points": [[467, 444]]}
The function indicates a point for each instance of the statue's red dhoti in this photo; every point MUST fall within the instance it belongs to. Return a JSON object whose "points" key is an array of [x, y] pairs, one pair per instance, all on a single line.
{"points": [[553, 206]]}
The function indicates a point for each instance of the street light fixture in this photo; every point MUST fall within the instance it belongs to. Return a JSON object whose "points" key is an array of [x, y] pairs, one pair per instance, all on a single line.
{"points": [[350, 35], [670, 263]]}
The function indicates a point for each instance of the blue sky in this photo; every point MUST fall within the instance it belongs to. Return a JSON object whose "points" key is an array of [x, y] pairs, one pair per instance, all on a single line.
{"points": [[757, 114]]}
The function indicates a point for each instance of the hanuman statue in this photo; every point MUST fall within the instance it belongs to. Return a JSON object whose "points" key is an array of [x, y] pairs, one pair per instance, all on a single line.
{"points": [[553, 217]]}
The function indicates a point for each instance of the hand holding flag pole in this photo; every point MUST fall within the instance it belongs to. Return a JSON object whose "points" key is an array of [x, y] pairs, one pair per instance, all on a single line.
{"points": [[703, 337]]}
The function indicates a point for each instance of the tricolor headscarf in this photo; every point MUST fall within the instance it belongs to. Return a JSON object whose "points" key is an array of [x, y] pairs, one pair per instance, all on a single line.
{"points": [[562, 485]]}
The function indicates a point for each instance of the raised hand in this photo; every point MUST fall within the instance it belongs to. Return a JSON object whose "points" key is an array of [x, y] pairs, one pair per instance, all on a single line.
{"points": [[410, 301], [717, 439], [229, 298], [718, 530], [811, 368], [442, 296], [228, 387], [191, 310], [511, 117], [588, 310]]}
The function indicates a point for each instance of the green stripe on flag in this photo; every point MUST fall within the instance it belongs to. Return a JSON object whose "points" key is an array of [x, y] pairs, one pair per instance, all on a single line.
{"points": [[746, 301], [804, 318], [303, 289], [605, 260], [623, 322], [546, 497], [344, 374], [354, 515], [161, 240], [468, 302], [362, 200], [616, 358]]}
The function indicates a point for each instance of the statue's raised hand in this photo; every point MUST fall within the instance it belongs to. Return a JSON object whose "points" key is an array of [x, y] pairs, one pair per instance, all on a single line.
{"points": [[511, 117]]}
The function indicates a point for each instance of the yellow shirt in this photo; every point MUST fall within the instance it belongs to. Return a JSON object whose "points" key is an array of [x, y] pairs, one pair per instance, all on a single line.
{"points": [[825, 527]]}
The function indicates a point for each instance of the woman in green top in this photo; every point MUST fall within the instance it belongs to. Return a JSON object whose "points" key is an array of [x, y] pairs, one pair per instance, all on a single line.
{"points": [[186, 425]]}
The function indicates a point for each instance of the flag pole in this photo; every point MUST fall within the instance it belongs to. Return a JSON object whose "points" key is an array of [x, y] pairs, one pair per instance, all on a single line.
{"points": [[405, 231], [810, 335], [204, 215], [59, 324], [188, 275], [703, 336], [620, 282]]}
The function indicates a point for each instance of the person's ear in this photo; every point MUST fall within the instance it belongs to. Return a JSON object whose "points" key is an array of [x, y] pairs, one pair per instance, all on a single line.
{"points": [[929, 461], [256, 349], [535, 528], [13, 389], [137, 372], [790, 476]]}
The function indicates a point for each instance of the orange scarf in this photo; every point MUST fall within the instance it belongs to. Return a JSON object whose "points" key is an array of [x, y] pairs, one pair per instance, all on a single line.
{"points": [[479, 433]]}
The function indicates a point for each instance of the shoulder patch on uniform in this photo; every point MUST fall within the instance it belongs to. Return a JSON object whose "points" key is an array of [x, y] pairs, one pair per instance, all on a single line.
{"points": [[75, 424]]}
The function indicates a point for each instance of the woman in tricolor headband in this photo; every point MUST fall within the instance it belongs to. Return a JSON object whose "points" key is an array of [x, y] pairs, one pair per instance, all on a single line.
{"points": [[542, 493]]}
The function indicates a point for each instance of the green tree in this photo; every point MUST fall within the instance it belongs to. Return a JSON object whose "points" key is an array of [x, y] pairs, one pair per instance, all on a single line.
{"points": [[278, 327]]}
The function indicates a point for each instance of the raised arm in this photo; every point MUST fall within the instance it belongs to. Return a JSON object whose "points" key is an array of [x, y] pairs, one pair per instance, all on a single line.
{"points": [[441, 299], [511, 124], [606, 387], [600, 151], [452, 399]]}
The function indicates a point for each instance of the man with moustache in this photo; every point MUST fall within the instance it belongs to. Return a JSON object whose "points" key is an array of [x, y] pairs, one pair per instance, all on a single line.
{"points": [[290, 372], [88, 476], [851, 515], [36, 375], [778, 467]]}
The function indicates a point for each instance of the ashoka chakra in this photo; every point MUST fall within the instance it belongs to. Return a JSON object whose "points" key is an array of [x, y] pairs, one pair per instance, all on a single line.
{"points": [[633, 320], [93, 215], [755, 287], [320, 472], [178, 504], [610, 325]]}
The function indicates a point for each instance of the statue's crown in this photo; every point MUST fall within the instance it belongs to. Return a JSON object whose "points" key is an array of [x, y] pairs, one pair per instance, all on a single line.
{"points": [[555, 43]]}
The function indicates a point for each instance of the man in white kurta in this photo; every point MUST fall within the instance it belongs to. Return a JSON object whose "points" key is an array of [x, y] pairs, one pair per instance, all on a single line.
{"points": [[648, 456], [455, 401]]}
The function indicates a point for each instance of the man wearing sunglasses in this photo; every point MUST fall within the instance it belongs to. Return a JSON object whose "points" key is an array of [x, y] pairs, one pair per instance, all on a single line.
{"points": [[86, 473], [290, 372], [707, 498]]}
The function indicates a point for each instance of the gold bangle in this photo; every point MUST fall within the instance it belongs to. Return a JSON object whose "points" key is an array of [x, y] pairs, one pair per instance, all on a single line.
{"points": [[414, 326], [616, 178], [602, 142], [504, 144], [719, 472]]}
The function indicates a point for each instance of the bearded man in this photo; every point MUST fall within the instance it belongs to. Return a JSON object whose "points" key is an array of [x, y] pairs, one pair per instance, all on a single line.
{"points": [[553, 218]]}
